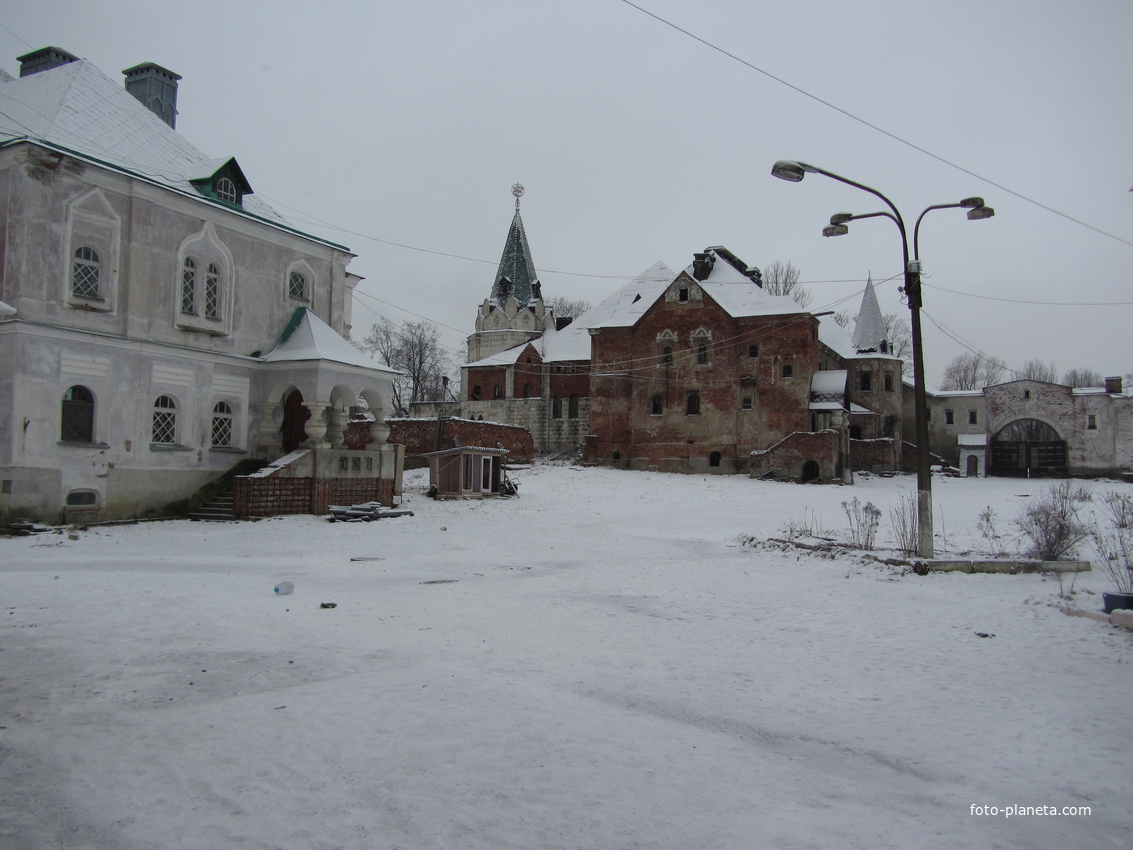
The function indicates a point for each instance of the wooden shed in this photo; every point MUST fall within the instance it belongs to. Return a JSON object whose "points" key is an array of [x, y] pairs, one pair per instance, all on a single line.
{"points": [[467, 472]]}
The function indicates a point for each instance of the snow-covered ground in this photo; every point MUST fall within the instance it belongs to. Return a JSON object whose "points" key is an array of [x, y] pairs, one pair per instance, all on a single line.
{"points": [[599, 663]]}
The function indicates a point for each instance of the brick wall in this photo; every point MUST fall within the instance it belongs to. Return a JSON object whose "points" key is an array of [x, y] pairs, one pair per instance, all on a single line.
{"points": [[787, 458], [866, 454], [420, 436]]}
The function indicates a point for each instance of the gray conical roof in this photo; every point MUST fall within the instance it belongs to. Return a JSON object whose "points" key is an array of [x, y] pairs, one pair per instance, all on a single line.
{"points": [[869, 329], [516, 275]]}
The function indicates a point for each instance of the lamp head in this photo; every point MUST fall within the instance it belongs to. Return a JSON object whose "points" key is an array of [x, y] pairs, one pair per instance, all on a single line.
{"points": [[835, 230], [979, 212], [970, 203], [792, 171], [841, 218]]}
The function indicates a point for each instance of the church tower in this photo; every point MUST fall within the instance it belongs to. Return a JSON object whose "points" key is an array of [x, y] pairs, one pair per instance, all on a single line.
{"points": [[514, 312], [874, 384]]}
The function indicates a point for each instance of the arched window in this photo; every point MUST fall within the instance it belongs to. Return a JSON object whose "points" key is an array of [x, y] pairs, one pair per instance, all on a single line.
{"points": [[189, 286], [77, 421], [82, 499], [226, 190], [658, 405], [714, 459], [212, 292], [164, 421], [222, 425], [86, 272], [476, 393], [497, 391], [572, 408], [527, 390], [557, 407], [297, 286], [788, 371], [700, 340], [692, 403], [667, 356]]}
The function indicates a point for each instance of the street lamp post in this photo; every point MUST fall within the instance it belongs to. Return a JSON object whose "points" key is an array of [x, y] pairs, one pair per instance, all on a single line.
{"points": [[793, 172]]}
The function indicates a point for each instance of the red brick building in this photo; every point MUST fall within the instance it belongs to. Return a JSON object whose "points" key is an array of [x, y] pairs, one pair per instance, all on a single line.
{"points": [[690, 371]]}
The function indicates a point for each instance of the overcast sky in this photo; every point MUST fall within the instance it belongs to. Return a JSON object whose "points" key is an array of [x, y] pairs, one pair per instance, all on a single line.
{"points": [[374, 122]]}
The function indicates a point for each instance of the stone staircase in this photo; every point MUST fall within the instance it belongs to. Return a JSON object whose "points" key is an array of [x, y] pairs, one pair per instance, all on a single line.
{"points": [[217, 509]]}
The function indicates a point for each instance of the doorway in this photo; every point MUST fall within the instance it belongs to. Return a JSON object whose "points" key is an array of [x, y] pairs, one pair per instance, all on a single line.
{"points": [[295, 416]]}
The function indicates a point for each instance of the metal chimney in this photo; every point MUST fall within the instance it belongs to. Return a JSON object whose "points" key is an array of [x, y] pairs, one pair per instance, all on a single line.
{"points": [[156, 88]]}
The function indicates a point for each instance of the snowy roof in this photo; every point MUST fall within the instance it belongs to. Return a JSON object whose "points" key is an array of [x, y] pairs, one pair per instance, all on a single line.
{"points": [[835, 337], [869, 327], [971, 439], [307, 337], [78, 110], [829, 382], [484, 450]]}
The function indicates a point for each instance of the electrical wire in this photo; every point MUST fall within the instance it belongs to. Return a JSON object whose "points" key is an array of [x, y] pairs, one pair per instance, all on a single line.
{"points": [[877, 128]]}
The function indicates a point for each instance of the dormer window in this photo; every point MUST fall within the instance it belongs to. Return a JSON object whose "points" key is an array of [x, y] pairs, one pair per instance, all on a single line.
{"points": [[226, 183], [226, 191]]}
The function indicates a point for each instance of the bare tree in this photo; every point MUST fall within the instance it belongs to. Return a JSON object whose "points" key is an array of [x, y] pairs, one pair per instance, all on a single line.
{"points": [[414, 349], [971, 371], [991, 371], [1083, 378], [783, 279], [962, 373], [843, 318], [1037, 370], [564, 307], [900, 336]]}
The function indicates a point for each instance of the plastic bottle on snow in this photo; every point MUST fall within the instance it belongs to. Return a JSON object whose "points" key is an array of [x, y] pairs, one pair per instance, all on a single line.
{"points": [[284, 588]]}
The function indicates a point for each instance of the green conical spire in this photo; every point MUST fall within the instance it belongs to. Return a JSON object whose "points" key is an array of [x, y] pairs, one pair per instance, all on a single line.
{"points": [[516, 276]]}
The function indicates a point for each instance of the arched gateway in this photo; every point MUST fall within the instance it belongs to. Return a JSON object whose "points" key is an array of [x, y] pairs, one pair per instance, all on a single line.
{"points": [[1028, 448]]}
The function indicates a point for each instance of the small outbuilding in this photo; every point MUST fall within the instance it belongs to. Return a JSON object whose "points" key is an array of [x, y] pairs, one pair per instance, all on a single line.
{"points": [[468, 472]]}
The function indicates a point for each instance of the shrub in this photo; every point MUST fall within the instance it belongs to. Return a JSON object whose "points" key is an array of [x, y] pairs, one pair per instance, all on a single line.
{"points": [[1052, 523], [1112, 536], [864, 520], [906, 524]]}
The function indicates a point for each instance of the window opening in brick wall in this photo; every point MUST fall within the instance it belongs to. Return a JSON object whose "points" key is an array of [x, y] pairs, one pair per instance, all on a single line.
{"points": [[222, 425], [692, 403], [189, 286], [77, 423], [85, 273], [164, 431]]}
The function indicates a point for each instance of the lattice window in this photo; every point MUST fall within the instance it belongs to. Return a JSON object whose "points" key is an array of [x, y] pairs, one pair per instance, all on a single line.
{"points": [[692, 403], [77, 425], [189, 286], [85, 273], [212, 292], [297, 286], [226, 190], [164, 421], [222, 425]]}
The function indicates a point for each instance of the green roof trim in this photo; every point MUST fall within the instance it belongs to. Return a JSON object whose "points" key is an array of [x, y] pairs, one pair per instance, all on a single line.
{"points": [[292, 325], [516, 276]]}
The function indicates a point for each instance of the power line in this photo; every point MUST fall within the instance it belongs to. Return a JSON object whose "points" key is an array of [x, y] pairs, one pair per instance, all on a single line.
{"points": [[1030, 301], [876, 128]]}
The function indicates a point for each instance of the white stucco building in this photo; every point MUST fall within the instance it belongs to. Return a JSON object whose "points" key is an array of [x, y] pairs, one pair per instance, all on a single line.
{"points": [[160, 322]]}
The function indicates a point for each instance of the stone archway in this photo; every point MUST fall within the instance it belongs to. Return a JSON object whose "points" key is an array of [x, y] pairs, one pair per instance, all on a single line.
{"points": [[810, 471], [295, 416], [1028, 448]]}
